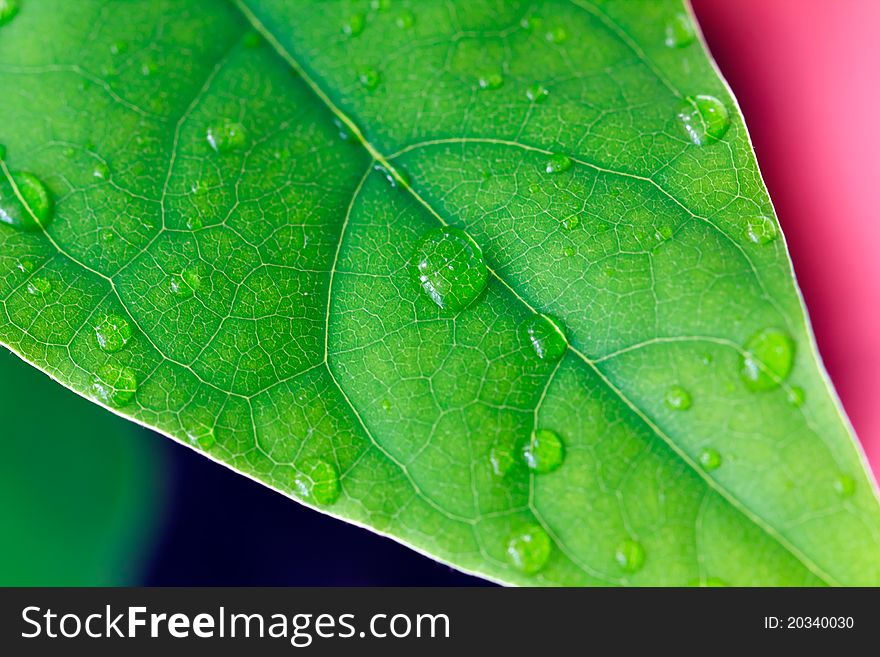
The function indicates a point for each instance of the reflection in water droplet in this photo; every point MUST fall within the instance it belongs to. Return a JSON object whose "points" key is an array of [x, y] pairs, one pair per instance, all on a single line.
{"points": [[405, 20], [115, 385], [203, 436], [112, 332], [531, 22], [679, 31], [844, 485], [677, 398], [630, 555], [545, 335], [101, 171], [225, 136], [557, 35], [761, 230], [186, 283], [571, 222], [369, 78], [544, 452], [529, 548], [35, 212], [39, 286], [537, 93], [8, 10], [319, 482], [767, 359], [796, 396], [491, 81], [558, 163], [502, 458], [380, 5], [710, 458], [25, 265], [354, 25], [704, 118], [450, 268]]}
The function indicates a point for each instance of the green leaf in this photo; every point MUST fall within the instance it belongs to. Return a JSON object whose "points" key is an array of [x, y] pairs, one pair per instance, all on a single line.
{"points": [[498, 279]]}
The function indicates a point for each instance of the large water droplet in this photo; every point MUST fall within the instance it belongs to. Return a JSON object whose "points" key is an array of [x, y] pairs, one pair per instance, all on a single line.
{"points": [[767, 359], [354, 25], [537, 93], [544, 451], [844, 485], [319, 481], [529, 548], [35, 212], [679, 31], [704, 118], [677, 398], [450, 268], [226, 135], [710, 458], [544, 334], [558, 163], [115, 385], [8, 10], [630, 555], [761, 230], [112, 332]]}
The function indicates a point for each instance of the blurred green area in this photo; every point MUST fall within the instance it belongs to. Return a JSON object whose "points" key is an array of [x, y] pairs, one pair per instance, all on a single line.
{"points": [[77, 486]]}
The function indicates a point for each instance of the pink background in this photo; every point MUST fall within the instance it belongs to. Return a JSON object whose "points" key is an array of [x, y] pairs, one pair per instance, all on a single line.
{"points": [[807, 75]]}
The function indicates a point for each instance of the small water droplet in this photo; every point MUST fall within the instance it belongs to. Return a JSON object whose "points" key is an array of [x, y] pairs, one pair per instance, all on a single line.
{"points": [[25, 265], [502, 458], [405, 20], [380, 5], [319, 481], [118, 47], [663, 233], [8, 10], [795, 396], [679, 31], [450, 268], [844, 485], [107, 236], [531, 22], [571, 222], [761, 230], [568, 251], [354, 25], [491, 81], [101, 171], [35, 212], [203, 436], [543, 452], [369, 78], [630, 555], [557, 35], [704, 119], [537, 93], [194, 222], [767, 359], [558, 163], [112, 332], [186, 283], [545, 335], [529, 548], [39, 286], [226, 135], [115, 385], [386, 405], [710, 458], [677, 398]]}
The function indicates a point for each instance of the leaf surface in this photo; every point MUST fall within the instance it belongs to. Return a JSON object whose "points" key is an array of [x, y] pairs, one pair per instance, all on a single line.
{"points": [[498, 279]]}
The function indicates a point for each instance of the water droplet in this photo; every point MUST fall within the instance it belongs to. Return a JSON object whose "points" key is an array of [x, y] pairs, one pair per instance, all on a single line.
{"points": [[677, 398], [186, 283], [450, 268], [369, 78], [225, 136], [844, 485], [354, 25], [318, 482], [101, 171], [8, 10], [118, 47], [531, 22], [761, 230], [663, 233], [557, 35], [537, 93], [112, 332], [25, 265], [115, 385], [502, 458], [405, 20], [35, 212], [386, 405], [545, 335], [710, 458], [529, 548], [544, 451], [571, 222], [568, 251], [380, 5], [796, 396], [203, 436], [558, 163], [704, 118], [767, 359], [491, 81], [39, 286], [630, 555], [679, 31], [194, 222], [107, 236]]}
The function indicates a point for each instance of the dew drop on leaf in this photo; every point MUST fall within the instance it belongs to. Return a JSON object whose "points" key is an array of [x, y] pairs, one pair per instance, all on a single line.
{"points": [[529, 548], [761, 230], [405, 20], [449, 267], [35, 212], [767, 359], [112, 332], [557, 35], [39, 286], [796, 396], [226, 135], [543, 452], [679, 31], [369, 78], [558, 163], [380, 5], [101, 171], [704, 119], [491, 81], [571, 222], [545, 336], [531, 22], [25, 265], [844, 485], [354, 25], [203, 436], [8, 10], [502, 459], [630, 555], [710, 458], [677, 398], [115, 385], [319, 482], [537, 93], [186, 283]]}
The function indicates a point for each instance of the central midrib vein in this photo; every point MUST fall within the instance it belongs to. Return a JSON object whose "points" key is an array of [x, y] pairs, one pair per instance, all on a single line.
{"points": [[383, 160]]}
